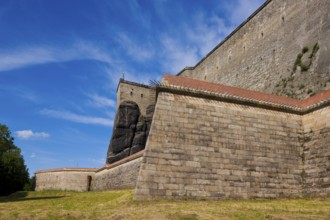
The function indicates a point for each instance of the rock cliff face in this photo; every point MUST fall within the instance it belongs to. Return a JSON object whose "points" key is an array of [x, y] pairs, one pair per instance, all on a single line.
{"points": [[130, 131]]}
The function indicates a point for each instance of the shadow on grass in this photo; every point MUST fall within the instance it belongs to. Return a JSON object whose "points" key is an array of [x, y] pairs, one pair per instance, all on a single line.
{"points": [[21, 196]]}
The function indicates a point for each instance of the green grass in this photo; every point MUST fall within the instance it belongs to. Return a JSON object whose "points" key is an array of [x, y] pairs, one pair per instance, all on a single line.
{"points": [[119, 205]]}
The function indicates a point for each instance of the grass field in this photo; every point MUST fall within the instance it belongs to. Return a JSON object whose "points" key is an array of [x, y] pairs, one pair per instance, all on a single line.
{"points": [[118, 205]]}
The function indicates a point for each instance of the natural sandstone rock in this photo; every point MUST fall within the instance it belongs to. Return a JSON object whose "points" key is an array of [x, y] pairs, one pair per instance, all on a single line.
{"points": [[127, 115], [123, 131], [115, 157], [121, 139], [136, 149], [139, 138], [130, 131]]}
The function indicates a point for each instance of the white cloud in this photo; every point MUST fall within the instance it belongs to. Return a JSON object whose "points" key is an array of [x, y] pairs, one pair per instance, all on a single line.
{"points": [[116, 72], [139, 52], [242, 9], [77, 118], [209, 32], [177, 55], [33, 155], [27, 134], [193, 42], [101, 101], [43, 54]]}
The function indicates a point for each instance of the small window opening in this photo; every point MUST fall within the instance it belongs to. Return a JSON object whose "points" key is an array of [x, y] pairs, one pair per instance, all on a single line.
{"points": [[141, 95]]}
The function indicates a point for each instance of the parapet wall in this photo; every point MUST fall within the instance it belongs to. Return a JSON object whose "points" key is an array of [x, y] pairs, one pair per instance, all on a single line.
{"points": [[141, 94], [120, 175], [64, 179], [208, 141], [261, 53]]}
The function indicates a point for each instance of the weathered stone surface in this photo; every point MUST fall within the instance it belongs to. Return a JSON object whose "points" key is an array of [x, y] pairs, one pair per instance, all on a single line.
{"points": [[64, 179], [261, 54], [201, 148], [118, 156], [122, 176], [140, 94], [137, 148], [150, 112], [127, 115], [121, 139], [141, 125], [139, 138], [123, 132], [130, 131]]}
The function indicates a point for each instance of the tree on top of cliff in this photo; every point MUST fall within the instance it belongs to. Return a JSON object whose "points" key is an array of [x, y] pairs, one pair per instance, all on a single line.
{"points": [[13, 172]]}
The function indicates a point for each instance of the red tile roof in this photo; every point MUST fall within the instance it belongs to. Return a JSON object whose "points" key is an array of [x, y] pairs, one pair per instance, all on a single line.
{"points": [[243, 94]]}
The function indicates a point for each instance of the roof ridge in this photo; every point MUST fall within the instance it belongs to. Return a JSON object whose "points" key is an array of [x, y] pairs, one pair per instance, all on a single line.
{"points": [[193, 86]]}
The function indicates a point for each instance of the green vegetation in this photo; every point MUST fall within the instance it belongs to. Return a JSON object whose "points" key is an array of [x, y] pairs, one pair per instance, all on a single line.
{"points": [[13, 172], [297, 62], [305, 50], [120, 205], [316, 47], [305, 66]]}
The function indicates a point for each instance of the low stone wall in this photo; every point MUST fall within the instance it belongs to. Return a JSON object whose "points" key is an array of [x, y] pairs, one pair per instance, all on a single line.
{"points": [[121, 175], [64, 179]]}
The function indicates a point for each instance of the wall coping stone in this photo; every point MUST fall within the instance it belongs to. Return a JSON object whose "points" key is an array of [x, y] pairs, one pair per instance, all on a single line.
{"points": [[121, 80], [122, 161], [96, 170], [67, 169], [204, 89]]}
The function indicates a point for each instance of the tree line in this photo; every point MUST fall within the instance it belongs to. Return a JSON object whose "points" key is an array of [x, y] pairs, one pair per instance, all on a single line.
{"points": [[14, 175]]}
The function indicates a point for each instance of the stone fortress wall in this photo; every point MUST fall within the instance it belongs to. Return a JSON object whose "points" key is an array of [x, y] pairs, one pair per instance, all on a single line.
{"points": [[142, 95], [261, 53], [135, 107], [234, 143], [210, 141], [316, 153]]}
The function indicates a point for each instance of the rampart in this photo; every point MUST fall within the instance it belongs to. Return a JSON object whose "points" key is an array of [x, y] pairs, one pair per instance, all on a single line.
{"points": [[211, 137], [210, 141], [262, 53]]}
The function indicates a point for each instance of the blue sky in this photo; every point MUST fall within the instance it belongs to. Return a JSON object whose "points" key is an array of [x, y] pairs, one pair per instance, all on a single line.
{"points": [[60, 62]]}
